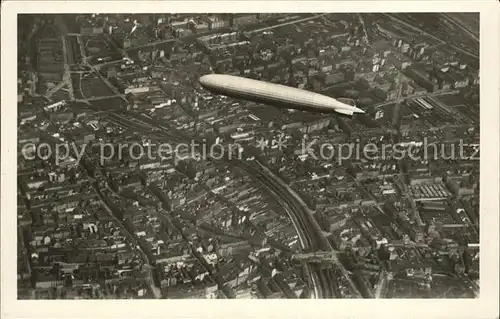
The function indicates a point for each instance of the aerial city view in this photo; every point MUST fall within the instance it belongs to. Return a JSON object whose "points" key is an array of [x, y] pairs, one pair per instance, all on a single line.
{"points": [[265, 155]]}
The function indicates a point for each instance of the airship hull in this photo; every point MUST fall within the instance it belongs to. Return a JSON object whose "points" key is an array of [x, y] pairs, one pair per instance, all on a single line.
{"points": [[280, 103], [274, 94]]}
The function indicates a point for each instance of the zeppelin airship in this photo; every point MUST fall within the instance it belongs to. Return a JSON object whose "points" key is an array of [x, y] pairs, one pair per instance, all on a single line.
{"points": [[275, 94]]}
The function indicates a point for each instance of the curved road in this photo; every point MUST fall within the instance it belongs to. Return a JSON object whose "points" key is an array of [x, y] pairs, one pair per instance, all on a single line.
{"points": [[392, 17]]}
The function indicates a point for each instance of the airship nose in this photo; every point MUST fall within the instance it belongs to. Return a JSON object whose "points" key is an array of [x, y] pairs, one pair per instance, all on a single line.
{"points": [[204, 80]]}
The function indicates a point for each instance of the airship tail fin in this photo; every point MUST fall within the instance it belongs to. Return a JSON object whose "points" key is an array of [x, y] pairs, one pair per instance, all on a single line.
{"points": [[345, 112]]}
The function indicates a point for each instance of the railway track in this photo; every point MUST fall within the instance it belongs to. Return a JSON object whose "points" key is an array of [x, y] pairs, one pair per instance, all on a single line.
{"points": [[308, 234], [310, 241]]}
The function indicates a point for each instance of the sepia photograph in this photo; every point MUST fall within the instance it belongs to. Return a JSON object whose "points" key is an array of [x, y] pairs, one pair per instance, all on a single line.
{"points": [[249, 155]]}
